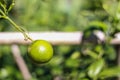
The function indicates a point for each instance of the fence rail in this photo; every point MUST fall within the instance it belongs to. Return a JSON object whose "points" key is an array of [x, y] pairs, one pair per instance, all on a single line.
{"points": [[56, 38]]}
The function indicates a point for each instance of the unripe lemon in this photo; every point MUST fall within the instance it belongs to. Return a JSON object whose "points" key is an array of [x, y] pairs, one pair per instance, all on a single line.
{"points": [[40, 51]]}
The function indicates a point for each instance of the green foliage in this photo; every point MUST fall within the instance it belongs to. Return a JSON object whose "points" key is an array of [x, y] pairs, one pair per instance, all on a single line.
{"points": [[110, 72], [95, 68], [88, 61]]}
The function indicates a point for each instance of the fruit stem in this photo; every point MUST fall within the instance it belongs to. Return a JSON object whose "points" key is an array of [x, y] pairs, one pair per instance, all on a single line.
{"points": [[18, 28], [3, 14]]}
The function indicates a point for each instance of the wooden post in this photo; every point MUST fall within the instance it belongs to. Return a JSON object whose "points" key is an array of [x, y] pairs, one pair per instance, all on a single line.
{"points": [[118, 58], [20, 62]]}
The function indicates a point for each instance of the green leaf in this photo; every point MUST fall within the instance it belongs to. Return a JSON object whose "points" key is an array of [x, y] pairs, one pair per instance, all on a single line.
{"points": [[118, 11], [110, 52], [113, 9], [11, 5], [110, 72], [72, 63], [110, 6], [95, 68], [3, 7], [98, 25], [3, 2], [75, 55], [91, 54], [6, 5]]}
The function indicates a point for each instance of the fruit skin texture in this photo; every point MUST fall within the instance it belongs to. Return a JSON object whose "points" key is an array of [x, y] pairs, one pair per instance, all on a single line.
{"points": [[40, 51]]}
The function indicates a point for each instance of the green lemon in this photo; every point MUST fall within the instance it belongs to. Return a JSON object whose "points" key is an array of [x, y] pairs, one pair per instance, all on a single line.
{"points": [[40, 51]]}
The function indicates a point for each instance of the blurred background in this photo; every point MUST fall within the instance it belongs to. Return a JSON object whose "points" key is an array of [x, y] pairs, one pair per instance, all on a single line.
{"points": [[70, 62]]}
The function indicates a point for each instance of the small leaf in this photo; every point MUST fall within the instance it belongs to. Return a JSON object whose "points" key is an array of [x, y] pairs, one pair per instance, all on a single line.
{"points": [[110, 72], [98, 25], [91, 54], [11, 5], [110, 52], [95, 68], [111, 9], [75, 55], [3, 7], [3, 2], [118, 11]]}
